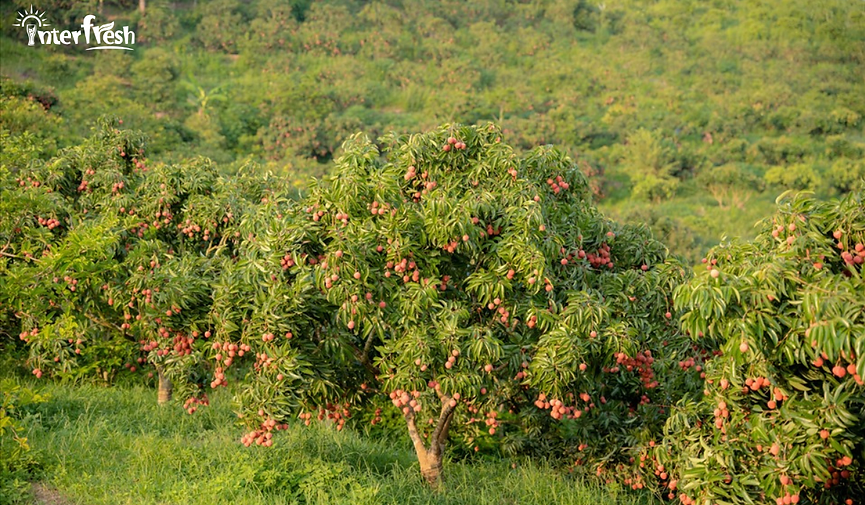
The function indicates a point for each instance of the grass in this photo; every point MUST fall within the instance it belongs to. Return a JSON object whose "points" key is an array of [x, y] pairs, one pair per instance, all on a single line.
{"points": [[116, 446]]}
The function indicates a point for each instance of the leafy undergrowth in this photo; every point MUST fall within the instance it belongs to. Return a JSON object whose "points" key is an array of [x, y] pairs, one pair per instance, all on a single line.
{"points": [[115, 445]]}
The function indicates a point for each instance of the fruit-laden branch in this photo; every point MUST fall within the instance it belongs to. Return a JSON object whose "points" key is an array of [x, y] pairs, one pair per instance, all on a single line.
{"points": [[8, 255], [362, 355], [364, 360]]}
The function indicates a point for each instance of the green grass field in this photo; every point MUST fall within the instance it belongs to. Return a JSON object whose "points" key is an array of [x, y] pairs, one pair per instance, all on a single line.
{"points": [[116, 446]]}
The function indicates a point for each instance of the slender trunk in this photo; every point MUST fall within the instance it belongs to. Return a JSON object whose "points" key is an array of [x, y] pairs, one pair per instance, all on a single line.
{"points": [[430, 459], [142, 4], [165, 387]]}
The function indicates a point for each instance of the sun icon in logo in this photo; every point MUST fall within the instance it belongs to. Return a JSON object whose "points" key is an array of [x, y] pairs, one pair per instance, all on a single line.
{"points": [[31, 20]]}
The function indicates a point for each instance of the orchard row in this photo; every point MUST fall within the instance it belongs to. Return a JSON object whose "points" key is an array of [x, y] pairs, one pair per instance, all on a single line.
{"points": [[447, 286]]}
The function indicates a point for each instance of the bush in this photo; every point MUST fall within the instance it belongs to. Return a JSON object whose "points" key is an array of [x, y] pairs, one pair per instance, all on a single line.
{"points": [[25, 118], [847, 175], [649, 161], [18, 464], [158, 25], [782, 417], [777, 150], [154, 77], [221, 27], [730, 184], [797, 177]]}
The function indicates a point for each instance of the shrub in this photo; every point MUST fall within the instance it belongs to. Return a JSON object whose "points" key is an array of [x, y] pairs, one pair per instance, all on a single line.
{"points": [[154, 77], [846, 175], [798, 177], [729, 183], [17, 462], [649, 163], [158, 24], [782, 417]]}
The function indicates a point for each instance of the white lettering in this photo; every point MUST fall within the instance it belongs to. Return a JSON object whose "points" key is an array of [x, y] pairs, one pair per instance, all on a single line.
{"points": [[102, 35], [86, 25], [128, 36]]}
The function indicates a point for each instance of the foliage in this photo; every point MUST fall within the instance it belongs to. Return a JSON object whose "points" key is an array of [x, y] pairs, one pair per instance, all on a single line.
{"points": [[116, 263], [729, 184], [784, 407], [154, 76], [770, 84], [17, 461], [469, 286], [25, 124], [108, 262], [846, 175], [800, 176], [649, 162], [158, 24], [447, 274]]}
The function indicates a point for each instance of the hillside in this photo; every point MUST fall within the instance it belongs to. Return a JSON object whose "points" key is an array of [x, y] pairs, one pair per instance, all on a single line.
{"points": [[691, 116]]}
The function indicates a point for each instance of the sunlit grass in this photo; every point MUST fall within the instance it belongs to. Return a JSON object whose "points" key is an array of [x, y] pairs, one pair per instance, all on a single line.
{"points": [[116, 446]]}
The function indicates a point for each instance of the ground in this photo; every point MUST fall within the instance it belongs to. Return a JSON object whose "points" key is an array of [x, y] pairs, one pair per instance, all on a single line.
{"points": [[116, 446]]}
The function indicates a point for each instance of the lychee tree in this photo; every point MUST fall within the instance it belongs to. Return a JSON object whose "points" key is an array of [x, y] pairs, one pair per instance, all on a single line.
{"points": [[107, 261], [60, 250], [782, 417], [478, 291]]}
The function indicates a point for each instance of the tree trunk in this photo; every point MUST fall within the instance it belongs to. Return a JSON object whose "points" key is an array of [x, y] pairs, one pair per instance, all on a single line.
{"points": [[165, 388], [142, 4], [431, 468], [431, 459]]}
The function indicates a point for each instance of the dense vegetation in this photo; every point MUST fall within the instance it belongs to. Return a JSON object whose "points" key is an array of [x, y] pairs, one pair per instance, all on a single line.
{"points": [[783, 412], [689, 116], [459, 289], [447, 271], [451, 270], [480, 291]]}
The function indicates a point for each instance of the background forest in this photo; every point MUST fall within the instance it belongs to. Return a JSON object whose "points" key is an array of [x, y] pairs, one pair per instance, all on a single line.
{"points": [[691, 116]]}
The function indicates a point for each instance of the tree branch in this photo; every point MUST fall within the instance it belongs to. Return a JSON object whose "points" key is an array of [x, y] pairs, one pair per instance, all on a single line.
{"points": [[3, 253], [440, 433], [102, 323], [443, 435], [416, 439], [366, 348]]}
